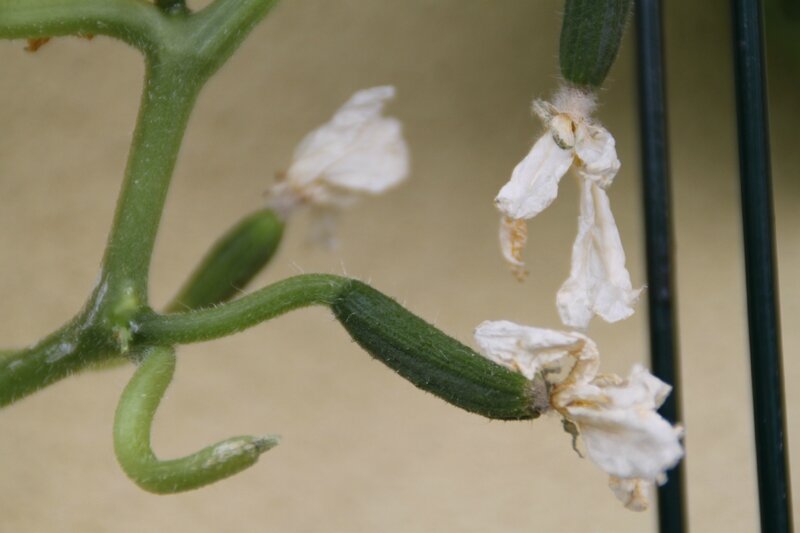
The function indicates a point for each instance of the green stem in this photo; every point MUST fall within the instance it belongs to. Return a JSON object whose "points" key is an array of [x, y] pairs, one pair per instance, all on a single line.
{"points": [[136, 22], [231, 317], [220, 28], [172, 7], [195, 48], [67, 350], [169, 95], [132, 427]]}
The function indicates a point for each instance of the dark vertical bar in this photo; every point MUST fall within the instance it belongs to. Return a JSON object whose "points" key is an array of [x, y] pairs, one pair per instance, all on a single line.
{"points": [[759, 252], [659, 240]]}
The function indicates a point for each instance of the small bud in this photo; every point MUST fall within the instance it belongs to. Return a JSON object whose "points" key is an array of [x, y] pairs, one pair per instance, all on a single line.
{"points": [[235, 259]]}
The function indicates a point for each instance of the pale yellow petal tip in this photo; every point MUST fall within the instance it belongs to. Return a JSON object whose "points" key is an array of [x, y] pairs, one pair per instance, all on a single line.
{"points": [[631, 492], [513, 236]]}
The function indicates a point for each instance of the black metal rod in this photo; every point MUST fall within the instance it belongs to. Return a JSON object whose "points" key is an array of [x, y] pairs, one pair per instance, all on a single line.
{"points": [[659, 240], [759, 252]]}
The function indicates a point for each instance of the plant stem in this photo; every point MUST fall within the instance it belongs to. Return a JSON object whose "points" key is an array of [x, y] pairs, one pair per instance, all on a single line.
{"points": [[132, 427], [196, 47], [220, 28], [136, 22], [172, 7], [168, 98], [63, 352], [231, 317]]}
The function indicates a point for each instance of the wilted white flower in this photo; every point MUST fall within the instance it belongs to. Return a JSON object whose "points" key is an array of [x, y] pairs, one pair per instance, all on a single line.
{"points": [[359, 152], [615, 417], [598, 282]]}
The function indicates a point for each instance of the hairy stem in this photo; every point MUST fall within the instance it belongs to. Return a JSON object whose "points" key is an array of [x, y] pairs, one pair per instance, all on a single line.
{"points": [[231, 317], [168, 98], [136, 22], [220, 28], [132, 427], [63, 352]]}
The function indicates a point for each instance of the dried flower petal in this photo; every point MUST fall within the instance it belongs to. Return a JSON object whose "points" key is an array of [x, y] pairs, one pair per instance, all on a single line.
{"points": [[513, 235], [534, 182], [631, 492], [619, 425], [599, 283], [596, 150], [34, 44], [357, 152], [526, 349], [616, 418]]}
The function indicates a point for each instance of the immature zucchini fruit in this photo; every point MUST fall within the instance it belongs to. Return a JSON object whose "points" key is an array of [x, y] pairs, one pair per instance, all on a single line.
{"points": [[590, 38], [430, 359]]}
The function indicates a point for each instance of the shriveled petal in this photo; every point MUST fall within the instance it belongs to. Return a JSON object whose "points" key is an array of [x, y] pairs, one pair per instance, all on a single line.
{"points": [[599, 283], [357, 151], [631, 492], [534, 183], [526, 349], [544, 110], [513, 235], [619, 425], [322, 228], [596, 150], [377, 160]]}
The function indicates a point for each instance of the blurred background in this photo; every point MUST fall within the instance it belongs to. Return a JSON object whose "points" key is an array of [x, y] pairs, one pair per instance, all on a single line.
{"points": [[363, 450]]}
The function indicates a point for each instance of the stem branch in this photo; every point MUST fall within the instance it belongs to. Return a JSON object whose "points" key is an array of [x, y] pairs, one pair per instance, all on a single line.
{"points": [[231, 317], [136, 22]]}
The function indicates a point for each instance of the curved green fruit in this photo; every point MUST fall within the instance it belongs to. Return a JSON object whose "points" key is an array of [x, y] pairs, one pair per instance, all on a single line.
{"points": [[430, 359], [590, 39]]}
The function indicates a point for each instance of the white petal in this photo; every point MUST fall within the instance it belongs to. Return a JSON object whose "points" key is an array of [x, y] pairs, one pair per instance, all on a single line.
{"points": [[598, 282], [376, 161], [619, 425], [631, 492], [526, 349], [596, 150], [357, 151], [534, 183]]}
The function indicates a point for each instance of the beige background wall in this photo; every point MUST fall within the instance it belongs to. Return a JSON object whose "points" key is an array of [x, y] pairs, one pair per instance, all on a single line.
{"points": [[363, 450]]}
